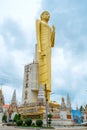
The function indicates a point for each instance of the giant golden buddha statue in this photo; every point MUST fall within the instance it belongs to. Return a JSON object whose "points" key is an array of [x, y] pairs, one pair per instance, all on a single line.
{"points": [[45, 41]]}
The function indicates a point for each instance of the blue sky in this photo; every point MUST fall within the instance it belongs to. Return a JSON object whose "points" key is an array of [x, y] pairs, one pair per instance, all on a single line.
{"points": [[69, 56]]}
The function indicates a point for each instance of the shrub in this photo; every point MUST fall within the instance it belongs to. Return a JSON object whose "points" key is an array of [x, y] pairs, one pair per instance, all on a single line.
{"points": [[23, 124], [33, 124], [50, 116], [49, 119], [39, 122], [16, 117], [19, 122], [10, 120], [28, 121], [4, 118]]}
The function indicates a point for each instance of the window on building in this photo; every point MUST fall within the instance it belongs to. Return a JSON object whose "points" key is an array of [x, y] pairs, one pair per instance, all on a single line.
{"points": [[26, 86]]}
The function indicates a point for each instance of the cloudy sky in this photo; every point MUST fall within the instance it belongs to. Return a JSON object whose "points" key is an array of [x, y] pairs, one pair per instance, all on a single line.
{"points": [[69, 56]]}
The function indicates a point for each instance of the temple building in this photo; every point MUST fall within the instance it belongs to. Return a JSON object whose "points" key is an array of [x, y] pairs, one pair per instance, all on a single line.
{"points": [[11, 109], [68, 103], [84, 112], [13, 105], [63, 112], [65, 109], [30, 83]]}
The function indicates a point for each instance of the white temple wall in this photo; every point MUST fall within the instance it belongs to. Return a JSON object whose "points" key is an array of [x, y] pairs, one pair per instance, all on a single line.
{"points": [[30, 85], [63, 115]]}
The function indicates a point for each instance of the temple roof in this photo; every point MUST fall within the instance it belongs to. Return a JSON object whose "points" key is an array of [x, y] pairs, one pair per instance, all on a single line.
{"points": [[6, 106]]}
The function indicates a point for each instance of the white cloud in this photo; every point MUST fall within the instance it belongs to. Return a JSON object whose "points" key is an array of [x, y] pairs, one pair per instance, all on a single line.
{"points": [[68, 74], [2, 45], [20, 59], [61, 65], [63, 61], [24, 12], [60, 82], [10, 37], [80, 68], [3, 51], [58, 58]]}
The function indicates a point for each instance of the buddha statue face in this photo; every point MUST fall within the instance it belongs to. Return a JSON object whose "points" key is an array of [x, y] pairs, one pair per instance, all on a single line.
{"points": [[45, 16]]}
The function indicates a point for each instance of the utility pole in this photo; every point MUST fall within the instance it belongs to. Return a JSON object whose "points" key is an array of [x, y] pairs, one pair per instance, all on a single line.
{"points": [[46, 106]]}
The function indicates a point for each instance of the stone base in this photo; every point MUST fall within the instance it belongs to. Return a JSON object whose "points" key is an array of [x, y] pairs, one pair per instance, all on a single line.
{"points": [[59, 122]]}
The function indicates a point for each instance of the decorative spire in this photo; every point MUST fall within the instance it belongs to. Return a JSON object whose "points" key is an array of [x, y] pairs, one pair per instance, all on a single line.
{"points": [[14, 97], [63, 106], [68, 102], [41, 95], [1, 98], [41, 92]]}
